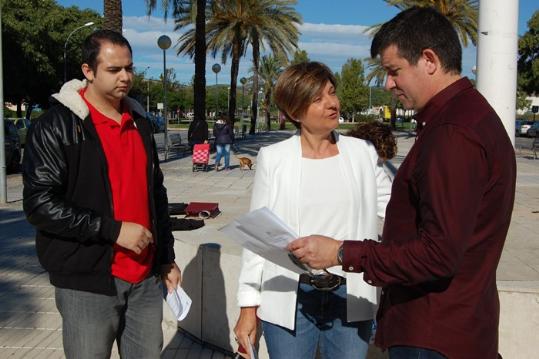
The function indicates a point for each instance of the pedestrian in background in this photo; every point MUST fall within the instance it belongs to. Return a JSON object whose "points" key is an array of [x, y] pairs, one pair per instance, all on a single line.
{"points": [[224, 138]]}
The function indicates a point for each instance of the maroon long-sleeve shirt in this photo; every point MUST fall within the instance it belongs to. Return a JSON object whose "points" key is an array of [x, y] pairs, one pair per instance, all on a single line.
{"points": [[444, 232]]}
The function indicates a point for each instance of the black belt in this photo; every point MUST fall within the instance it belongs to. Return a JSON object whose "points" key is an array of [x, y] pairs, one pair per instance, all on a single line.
{"points": [[324, 282]]}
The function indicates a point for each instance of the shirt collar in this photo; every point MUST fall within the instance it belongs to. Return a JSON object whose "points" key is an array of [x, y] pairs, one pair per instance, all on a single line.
{"points": [[430, 111], [99, 118]]}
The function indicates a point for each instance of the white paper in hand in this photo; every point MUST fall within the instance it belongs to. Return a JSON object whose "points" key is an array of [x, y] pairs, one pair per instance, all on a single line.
{"points": [[252, 350], [178, 301], [265, 234]]}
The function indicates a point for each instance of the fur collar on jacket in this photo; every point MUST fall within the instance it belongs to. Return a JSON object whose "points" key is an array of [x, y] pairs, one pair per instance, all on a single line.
{"points": [[70, 98]]}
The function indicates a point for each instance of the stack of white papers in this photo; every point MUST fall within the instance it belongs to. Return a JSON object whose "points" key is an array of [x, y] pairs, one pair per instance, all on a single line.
{"points": [[265, 234], [178, 301]]}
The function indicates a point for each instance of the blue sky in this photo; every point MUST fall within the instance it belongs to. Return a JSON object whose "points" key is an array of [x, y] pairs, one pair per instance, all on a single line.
{"points": [[332, 32]]}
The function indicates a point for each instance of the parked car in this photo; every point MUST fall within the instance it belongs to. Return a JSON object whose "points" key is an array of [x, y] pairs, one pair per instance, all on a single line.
{"points": [[22, 125], [157, 122], [521, 127], [533, 131], [12, 145]]}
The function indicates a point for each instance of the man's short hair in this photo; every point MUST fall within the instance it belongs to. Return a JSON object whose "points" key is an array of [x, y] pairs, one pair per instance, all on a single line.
{"points": [[92, 45], [298, 86], [417, 29]]}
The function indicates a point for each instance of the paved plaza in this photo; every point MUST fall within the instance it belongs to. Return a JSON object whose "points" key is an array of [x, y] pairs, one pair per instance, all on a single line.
{"points": [[30, 326]]}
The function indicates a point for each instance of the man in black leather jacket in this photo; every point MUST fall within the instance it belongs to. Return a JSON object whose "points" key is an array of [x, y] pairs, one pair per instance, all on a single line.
{"points": [[94, 191]]}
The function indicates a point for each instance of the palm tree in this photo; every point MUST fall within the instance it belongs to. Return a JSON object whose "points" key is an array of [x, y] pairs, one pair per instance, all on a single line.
{"points": [[270, 69], [234, 24], [165, 5], [193, 43], [112, 13], [376, 71], [463, 14], [274, 23]]}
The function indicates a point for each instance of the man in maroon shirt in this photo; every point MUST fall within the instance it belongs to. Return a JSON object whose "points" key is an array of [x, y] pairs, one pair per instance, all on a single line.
{"points": [[450, 207], [94, 191]]}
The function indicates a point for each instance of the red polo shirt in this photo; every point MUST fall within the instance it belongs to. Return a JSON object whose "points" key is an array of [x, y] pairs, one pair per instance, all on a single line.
{"points": [[127, 172]]}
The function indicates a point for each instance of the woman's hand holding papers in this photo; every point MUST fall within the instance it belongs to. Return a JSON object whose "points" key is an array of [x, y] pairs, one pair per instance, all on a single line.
{"points": [[245, 328]]}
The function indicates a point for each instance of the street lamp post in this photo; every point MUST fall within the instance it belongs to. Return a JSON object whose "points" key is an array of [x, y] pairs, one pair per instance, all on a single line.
{"points": [[164, 43], [228, 99], [65, 46], [370, 99], [216, 68], [147, 91]]}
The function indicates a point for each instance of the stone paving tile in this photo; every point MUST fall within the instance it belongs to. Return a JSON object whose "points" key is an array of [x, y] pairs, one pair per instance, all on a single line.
{"points": [[27, 298]]}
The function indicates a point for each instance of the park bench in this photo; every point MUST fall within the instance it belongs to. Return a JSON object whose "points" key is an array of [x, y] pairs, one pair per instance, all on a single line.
{"points": [[175, 143]]}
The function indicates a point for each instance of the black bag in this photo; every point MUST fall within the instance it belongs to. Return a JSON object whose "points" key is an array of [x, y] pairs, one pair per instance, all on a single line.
{"points": [[176, 208], [185, 224]]}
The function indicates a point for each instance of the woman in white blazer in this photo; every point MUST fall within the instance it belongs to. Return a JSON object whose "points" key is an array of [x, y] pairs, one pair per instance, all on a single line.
{"points": [[319, 182]]}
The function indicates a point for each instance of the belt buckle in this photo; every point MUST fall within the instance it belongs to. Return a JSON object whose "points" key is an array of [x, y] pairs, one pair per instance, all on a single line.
{"points": [[325, 283]]}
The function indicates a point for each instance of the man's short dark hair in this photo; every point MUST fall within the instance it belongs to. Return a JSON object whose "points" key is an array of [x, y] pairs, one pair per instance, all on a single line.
{"points": [[417, 29], [92, 45]]}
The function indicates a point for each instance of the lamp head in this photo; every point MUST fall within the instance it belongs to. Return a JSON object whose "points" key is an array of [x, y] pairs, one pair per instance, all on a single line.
{"points": [[164, 42], [216, 68]]}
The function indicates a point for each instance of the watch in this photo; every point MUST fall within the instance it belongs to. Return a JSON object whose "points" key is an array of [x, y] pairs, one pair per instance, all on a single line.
{"points": [[340, 254]]}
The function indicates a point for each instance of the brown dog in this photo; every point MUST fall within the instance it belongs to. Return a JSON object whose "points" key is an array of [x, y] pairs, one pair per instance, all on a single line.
{"points": [[245, 162]]}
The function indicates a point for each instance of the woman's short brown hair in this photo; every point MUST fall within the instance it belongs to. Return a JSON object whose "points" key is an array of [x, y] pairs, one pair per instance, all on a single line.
{"points": [[298, 86]]}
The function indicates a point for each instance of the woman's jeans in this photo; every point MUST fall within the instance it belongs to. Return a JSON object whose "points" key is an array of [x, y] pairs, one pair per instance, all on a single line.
{"points": [[320, 321], [222, 150]]}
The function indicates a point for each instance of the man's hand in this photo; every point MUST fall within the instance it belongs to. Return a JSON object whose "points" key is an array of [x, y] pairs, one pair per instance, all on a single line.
{"points": [[134, 237], [171, 276], [318, 252], [245, 329]]}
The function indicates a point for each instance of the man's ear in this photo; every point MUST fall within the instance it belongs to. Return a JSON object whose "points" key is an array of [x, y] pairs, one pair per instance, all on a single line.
{"points": [[432, 61], [88, 72]]}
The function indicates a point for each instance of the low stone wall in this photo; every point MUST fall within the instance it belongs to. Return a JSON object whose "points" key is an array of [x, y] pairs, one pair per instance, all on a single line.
{"points": [[519, 319], [210, 277]]}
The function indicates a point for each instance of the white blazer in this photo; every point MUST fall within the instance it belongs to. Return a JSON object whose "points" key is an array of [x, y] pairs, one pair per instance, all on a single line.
{"points": [[273, 288]]}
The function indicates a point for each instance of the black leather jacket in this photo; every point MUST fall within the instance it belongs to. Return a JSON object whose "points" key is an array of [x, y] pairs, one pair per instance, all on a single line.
{"points": [[67, 196]]}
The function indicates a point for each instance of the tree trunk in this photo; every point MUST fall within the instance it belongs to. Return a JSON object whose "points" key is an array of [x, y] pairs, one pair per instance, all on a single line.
{"points": [[236, 52], [112, 13], [29, 108], [19, 108], [267, 104], [254, 100], [199, 86]]}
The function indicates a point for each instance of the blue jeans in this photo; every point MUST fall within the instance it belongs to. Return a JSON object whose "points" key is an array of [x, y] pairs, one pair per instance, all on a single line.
{"points": [[222, 150], [403, 352], [320, 321], [91, 322]]}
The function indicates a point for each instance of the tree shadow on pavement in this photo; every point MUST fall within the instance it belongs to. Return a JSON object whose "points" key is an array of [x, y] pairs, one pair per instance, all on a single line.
{"points": [[19, 267], [207, 322]]}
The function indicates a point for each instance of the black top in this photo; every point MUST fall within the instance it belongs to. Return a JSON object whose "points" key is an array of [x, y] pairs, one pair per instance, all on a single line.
{"points": [[223, 133]]}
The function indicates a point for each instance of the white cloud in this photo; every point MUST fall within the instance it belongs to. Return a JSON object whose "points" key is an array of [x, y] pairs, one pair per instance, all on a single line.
{"points": [[332, 44], [145, 23], [334, 49], [332, 29]]}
